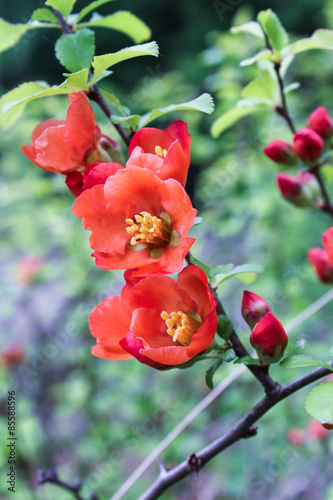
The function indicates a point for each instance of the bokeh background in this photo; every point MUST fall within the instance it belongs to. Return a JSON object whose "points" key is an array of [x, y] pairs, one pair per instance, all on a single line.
{"points": [[98, 420]]}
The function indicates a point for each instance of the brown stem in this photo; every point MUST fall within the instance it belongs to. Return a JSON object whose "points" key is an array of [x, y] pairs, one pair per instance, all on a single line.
{"points": [[243, 429], [50, 476], [327, 207], [94, 93], [271, 387]]}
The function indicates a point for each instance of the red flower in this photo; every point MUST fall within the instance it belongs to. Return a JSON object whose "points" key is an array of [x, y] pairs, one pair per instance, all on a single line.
{"points": [[328, 243], [281, 152], [165, 152], [94, 174], [321, 122], [302, 191], [320, 262], [253, 308], [308, 145], [63, 146], [269, 339], [157, 320], [138, 222]]}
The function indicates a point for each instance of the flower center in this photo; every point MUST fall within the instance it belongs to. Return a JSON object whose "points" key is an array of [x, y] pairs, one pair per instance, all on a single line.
{"points": [[180, 326], [149, 230], [161, 152]]}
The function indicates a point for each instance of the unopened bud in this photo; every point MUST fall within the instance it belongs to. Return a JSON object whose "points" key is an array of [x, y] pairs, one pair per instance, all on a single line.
{"points": [[321, 122], [281, 152], [302, 191], [320, 262], [253, 308], [308, 145], [269, 339], [112, 148]]}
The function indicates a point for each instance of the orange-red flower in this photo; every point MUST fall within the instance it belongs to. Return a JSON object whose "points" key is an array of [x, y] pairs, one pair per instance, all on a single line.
{"points": [[64, 146], [157, 320], [138, 222], [94, 174], [165, 152]]}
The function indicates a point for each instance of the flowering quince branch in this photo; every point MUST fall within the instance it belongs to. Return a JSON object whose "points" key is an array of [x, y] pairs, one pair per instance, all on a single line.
{"points": [[50, 476], [243, 429], [93, 93]]}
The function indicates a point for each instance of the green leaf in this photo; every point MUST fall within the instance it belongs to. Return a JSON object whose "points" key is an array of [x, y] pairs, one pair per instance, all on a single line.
{"points": [[203, 103], [10, 34], [330, 353], [263, 87], [232, 116], [13, 103], [301, 360], [44, 15], [131, 120], [101, 63], [207, 269], [275, 32], [224, 327], [123, 21], [246, 273], [248, 360], [112, 99], [76, 51], [211, 372], [319, 402], [252, 27], [264, 54], [64, 6], [92, 6], [291, 87], [321, 39]]}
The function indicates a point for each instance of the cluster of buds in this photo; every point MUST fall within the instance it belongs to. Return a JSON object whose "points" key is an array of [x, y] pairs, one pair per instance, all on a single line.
{"points": [[321, 259], [308, 143], [268, 336]]}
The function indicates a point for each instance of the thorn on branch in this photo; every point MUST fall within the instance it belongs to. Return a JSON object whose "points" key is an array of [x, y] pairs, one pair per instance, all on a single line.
{"points": [[195, 464], [161, 465], [252, 431]]}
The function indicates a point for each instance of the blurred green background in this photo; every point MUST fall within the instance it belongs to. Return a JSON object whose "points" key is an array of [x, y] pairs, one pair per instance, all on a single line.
{"points": [[97, 419]]}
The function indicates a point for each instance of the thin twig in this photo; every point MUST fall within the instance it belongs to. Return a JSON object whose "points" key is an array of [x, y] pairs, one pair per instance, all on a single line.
{"points": [[327, 207], [50, 476], [240, 431]]}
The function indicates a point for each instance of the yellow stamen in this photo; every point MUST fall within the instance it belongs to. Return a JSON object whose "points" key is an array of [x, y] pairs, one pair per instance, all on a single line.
{"points": [[161, 152], [149, 230], [180, 326]]}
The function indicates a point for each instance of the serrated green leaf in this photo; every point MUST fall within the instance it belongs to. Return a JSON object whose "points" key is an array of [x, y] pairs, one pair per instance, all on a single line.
{"points": [[101, 63], [131, 120], [264, 54], [64, 6], [76, 51], [321, 39], [224, 327], [13, 103], [275, 32], [246, 273], [231, 117], [207, 269], [263, 87], [252, 27], [248, 360], [44, 15], [10, 34], [123, 21], [92, 6], [301, 361], [319, 402], [203, 103], [211, 372]]}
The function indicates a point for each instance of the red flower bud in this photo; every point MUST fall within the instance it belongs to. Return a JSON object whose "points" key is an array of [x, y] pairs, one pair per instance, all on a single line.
{"points": [[328, 243], [302, 191], [295, 436], [281, 152], [308, 145], [316, 430], [321, 122], [269, 339], [320, 262], [253, 308]]}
